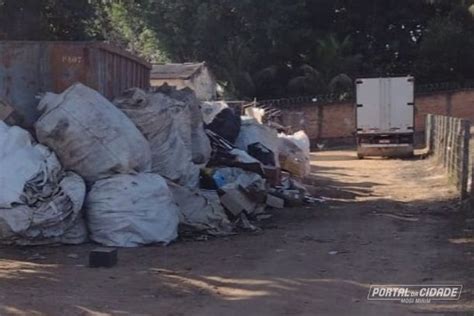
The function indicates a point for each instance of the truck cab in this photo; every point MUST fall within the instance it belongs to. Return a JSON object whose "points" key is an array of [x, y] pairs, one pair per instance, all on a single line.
{"points": [[385, 117]]}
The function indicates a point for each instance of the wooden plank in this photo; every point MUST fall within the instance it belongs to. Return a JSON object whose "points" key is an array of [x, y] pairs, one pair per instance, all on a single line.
{"points": [[466, 136], [444, 144]]}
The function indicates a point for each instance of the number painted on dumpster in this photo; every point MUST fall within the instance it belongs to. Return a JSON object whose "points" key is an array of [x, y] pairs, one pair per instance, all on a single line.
{"points": [[72, 59]]}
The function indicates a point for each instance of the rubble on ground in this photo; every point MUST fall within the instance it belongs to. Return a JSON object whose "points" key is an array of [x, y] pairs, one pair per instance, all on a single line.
{"points": [[146, 168]]}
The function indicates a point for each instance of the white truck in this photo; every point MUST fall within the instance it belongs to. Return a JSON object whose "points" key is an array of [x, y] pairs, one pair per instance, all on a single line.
{"points": [[385, 117]]}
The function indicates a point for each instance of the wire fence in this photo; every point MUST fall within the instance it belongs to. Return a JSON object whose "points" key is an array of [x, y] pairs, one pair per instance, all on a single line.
{"points": [[447, 140], [349, 96]]}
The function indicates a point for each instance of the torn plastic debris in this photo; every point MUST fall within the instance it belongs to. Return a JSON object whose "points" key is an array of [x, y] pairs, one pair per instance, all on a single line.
{"points": [[291, 197], [242, 191], [225, 154], [252, 132], [201, 210], [236, 177]]}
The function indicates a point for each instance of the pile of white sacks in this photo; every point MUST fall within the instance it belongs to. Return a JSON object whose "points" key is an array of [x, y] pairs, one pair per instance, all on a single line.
{"points": [[39, 202], [123, 174]]}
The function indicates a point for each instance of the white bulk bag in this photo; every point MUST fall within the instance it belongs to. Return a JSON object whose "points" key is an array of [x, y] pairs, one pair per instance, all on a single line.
{"points": [[190, 123], [165, 123], [48, 220], [131, 210], [39, 203], [21, 162], [90, 135]]}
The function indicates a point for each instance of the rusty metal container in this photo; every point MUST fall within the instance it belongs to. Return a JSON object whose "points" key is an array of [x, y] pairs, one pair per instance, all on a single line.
{"points": [[28, 68]]}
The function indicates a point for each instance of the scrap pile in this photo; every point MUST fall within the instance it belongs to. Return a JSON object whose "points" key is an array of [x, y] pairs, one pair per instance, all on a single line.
{"points": [[144, 169]]}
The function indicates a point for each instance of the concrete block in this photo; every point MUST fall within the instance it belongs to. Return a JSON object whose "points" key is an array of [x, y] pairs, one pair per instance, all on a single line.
{"points": [[103, 257]]}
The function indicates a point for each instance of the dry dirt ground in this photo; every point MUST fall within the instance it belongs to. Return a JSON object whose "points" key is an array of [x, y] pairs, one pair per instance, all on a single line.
{"points": [[390, 221]]}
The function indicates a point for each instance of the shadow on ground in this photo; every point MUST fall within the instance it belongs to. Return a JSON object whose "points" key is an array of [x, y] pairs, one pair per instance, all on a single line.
{"points": [[309, 260]]}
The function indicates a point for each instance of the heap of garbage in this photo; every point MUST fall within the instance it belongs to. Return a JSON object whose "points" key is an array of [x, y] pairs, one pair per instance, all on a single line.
{"points": [[146, 168]]}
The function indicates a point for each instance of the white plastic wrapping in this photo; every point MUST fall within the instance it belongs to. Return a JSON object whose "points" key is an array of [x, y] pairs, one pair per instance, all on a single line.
{"points": [[229, 177], [300, 139], [201, 210], [131, 210], [253, 132], [294, 153], [90, 135]]}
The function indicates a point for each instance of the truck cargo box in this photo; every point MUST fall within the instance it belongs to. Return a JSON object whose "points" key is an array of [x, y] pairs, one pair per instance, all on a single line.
{"points": [[385, 116]]}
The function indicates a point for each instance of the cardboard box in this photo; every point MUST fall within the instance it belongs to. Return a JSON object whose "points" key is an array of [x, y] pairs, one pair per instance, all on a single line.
{"points": [[236, 202], [275, 201], [272, 175]]}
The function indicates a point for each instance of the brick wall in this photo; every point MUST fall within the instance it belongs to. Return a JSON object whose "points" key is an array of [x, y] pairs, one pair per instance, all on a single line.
{"points": [[334, 123]]}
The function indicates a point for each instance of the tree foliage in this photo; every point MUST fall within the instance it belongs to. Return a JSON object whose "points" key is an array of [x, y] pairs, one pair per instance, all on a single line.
{"points": [[45, 19], [279, 48], [269, 48], [122, 23]]}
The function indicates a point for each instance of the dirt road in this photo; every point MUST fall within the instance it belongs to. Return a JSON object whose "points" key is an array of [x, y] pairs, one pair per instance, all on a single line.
{"points": [[385, 221]]}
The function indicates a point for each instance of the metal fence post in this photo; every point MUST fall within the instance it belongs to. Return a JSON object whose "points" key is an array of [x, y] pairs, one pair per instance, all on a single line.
{"points": [[429, 133], [466, 134]]}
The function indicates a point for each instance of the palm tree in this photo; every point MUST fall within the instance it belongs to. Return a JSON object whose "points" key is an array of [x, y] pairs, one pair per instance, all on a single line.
{"points": [[330, 69]]}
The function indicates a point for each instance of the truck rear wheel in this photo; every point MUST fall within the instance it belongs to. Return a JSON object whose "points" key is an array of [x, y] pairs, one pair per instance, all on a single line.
{"points": [[360, 156]]}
